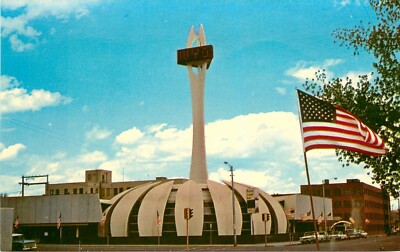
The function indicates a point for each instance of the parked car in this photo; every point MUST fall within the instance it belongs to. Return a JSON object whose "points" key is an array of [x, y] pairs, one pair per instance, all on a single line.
{"points": [[19, 243], [309, 237], [363, 234], [338, 236], [352, 234]]}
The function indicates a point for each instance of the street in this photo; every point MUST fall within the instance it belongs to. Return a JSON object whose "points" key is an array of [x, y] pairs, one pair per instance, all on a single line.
{"points": [[381, 243]]}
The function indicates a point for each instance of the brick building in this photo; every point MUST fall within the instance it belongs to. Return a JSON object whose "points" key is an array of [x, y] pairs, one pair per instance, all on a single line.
{"points": [[364, 205]]}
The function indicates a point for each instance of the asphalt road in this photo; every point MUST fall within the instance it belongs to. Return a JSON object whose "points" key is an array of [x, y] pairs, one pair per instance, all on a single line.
{"points": [[383, 243]]}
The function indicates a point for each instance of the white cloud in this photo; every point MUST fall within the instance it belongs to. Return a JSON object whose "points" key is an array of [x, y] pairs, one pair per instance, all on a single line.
{"points": [[53, 167], [11, 151], [116, 166], [250, 135], [96, 133], [304, 70], [355, 76], [19, 46], [24, 37], [281, 90], [274, 182], [240, 137], [93, 157], [8, 82], [129, 136], [16, 99], [259, 138]]}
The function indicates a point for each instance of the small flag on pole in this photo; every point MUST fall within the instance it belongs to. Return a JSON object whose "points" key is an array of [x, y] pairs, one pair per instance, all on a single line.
{"points": [[16, 223], [320, 218], [306, 216], [59, 222], [326, 126], [158, 219], [103, 219]]}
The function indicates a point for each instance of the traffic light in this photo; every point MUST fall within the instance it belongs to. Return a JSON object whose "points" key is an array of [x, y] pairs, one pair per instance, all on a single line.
{"points": [[265, 217], [185, 213]]}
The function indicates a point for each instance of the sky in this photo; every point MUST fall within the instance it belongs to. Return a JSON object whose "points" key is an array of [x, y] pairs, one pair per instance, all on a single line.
{"points": [[94, 84]]}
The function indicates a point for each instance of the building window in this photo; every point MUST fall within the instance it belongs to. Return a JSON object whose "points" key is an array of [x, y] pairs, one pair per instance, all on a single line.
{"points": [[115, 191], [91, 190], [57, 191], [66, 191], [337, 203], [337, 192], [327, 193], [75, 191], [80, 190], [51, 192], [121, 189]]}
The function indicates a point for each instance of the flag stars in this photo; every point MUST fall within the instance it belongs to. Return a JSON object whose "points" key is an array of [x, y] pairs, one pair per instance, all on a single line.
{"points": [[313, 109]]}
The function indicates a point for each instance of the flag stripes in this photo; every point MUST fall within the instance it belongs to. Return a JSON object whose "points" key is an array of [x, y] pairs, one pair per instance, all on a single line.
{"points": [[336, 128]]}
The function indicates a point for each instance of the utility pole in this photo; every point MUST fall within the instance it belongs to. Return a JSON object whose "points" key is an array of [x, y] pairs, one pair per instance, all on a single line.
{"points": [[23, 183], [233, 205]]}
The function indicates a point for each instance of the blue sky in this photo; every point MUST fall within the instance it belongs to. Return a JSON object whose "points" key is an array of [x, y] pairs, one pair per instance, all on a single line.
{"points": [[95, 85]]}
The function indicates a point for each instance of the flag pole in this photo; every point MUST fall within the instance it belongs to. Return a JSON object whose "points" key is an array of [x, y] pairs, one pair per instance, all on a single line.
{"points": [[307, 173], [311, 201]]}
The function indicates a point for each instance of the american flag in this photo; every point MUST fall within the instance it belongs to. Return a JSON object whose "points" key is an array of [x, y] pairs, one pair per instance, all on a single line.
{"points": [[16, 223], [59, 222], [103, 219], [320, 218], [326, 126]]}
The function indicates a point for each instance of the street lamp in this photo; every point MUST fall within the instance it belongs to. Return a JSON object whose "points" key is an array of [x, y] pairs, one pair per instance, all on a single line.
{"points": [[323, 195], [233, 204]]}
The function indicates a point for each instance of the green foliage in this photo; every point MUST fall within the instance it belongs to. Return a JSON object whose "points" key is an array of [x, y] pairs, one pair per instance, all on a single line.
{"points": [[375, 101]]}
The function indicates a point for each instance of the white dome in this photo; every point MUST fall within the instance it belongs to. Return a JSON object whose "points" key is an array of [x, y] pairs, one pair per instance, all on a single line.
{"points": [[157, 209]]}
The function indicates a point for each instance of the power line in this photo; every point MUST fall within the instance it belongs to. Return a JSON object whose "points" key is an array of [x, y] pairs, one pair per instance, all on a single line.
{"points": [[44, 131]]}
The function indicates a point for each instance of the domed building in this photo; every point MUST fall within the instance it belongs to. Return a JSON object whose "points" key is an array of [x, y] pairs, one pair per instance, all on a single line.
{"points": [[155, 210]]}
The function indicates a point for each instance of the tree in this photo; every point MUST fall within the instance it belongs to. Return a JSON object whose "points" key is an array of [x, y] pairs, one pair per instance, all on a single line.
{"points": [[375, 101]]}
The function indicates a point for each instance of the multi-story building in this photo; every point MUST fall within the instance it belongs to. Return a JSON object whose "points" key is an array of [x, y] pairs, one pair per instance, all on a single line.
{"points": [[96, 182], [366, 206]]}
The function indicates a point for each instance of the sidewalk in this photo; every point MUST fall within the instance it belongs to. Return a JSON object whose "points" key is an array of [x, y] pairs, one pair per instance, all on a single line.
{"points": [[281, 244]]}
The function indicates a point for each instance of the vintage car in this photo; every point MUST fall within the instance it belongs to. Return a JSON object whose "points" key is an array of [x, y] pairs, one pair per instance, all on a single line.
{"points": [[363, 234], [353, 234], [338, 236], [309, 237], [21, 244]]}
